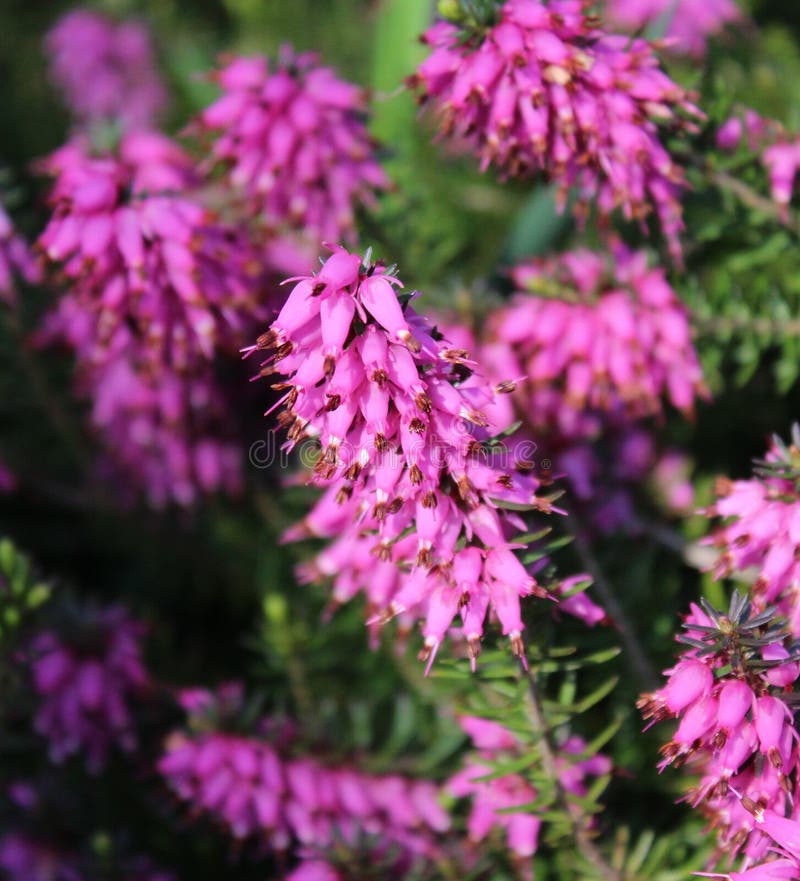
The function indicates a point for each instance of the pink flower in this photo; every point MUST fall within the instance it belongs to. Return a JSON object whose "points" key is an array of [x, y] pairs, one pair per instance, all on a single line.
{"points": [[256, 787], [689, 25], [415, 500], [296, 146], [157, 288], [597, 339], [492, 799], [106, 72], [545, 90], [759, 529], [16, 260], [734, 727], [86, 686]]}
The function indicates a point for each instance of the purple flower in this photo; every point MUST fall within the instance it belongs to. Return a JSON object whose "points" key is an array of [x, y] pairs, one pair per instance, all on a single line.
{"points": [[157, 288], [690, 24], [16, 260], [735, 727], [86, 686], [257, 788], [759, 530], [400, 422], [597, 338], [295, 143], [105, 71], [492, 799], [545, 90]]}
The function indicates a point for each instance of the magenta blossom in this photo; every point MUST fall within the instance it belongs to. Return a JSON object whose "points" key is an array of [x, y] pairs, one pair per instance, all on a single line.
{"points": [[256, 787], [146, 263], [157, 288], [759, 530], [293, 137], [105, 71], [168, 434], [16, 260], [735, 727], [546, 90], [492, 799], [86, 685], [400, 424], [689, 24], [596, 338]]}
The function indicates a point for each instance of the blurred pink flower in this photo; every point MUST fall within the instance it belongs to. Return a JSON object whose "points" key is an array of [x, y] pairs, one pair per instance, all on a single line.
{"points": [[689, 24], [546, 90], [295, 143], [106, 71]]}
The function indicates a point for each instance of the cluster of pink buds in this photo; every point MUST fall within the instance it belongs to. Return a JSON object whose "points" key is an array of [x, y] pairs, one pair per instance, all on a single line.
{"points": [[16, 260], [492, 800], [596, 338], [257, 787], [737, 726], [543, 89], [779, 150], [86, 682], [688, 24], [172, 432], [605, 473], [105, 71], [294, 139], [147, 264], [419, 497], [760, 529], [156, 287]]}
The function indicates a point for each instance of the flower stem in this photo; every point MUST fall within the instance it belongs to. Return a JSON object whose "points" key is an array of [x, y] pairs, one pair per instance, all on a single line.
{"points": [[636, 656], [577, 818]]}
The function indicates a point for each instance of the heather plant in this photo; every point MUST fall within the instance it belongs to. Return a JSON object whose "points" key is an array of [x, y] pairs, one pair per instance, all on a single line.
{"points": [[382, 381]]}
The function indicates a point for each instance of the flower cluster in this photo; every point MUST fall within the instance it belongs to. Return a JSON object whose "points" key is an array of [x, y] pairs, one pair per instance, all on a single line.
{"points": [[779, 150], [172, 431], [148, 265], [546, 90], [735, 727], [157, 287], [604, 474], [760, 530], [417, 493], [16, 260], [105, 71], [257, 786], [492, 800], [689, 24], [295, 143], [597, 338], [85, 682]]}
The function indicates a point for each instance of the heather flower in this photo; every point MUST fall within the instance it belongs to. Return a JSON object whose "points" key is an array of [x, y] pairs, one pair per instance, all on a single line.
{"points": [[778, 149], [293, 138], [147, 264], [545, 90], [491, 800], [598, 339], [759, 530], [106, 71], [157, 288], [689, 24], [16, 260], [416, 494], [256, 787], [86, 683], [168, 434], [728, 690]]}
